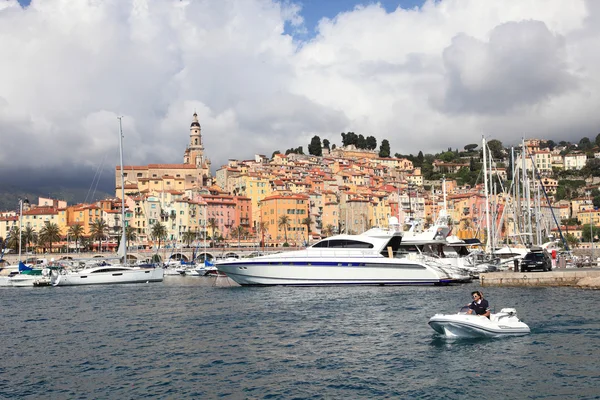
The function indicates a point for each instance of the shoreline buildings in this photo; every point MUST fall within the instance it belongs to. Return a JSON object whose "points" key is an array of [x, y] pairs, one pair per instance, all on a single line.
{"points": [[297, 198]]}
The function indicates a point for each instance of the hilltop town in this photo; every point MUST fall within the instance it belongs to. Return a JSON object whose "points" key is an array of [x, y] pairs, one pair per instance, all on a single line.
{"points": [[294, 198]]}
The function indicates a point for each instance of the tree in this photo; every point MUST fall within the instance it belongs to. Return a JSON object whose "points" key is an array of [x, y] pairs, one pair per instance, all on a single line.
{"points": [[326, 144], [328, 231], [597, 141], [188, 237], [472, 166], [76, 232], [275, 152], [212, 224], [130, 234], [263, 227], [592, 167], [371, 143], [572, 240], [419, 160], [29, 237], [349, 138], [548, 144], [307, 222], [284, 222], [384, 149], [589, 231], [315, 148], [570, 222], [12, 239], [158, 232], [98, 230], [447, 156], [49, 234], [361, 143], [238, 232], [496, 148], [471, 147], [585, 144]]}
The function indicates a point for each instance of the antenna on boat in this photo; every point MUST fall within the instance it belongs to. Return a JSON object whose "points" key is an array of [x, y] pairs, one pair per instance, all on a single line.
{"points": [[123, 236]]}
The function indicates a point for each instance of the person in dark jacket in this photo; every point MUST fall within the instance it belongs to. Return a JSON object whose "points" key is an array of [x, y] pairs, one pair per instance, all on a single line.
{"points": [[479, 305]]}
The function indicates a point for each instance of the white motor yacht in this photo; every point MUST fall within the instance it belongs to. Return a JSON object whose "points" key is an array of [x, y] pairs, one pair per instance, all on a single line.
{"points": [[371, 258], [106, 274], [463, 325]]}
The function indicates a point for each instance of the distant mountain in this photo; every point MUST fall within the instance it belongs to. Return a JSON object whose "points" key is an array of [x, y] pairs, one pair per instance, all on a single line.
{"points": [[10, 195], [75, 184]]}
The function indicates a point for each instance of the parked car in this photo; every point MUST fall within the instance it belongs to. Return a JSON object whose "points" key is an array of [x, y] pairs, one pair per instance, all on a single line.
{"points": [[536, 259]]}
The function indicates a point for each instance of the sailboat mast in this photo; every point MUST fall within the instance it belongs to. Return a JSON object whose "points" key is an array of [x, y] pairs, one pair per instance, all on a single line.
{"points": [[487, 199], [444, 193], [123, 236], [20, 226]]}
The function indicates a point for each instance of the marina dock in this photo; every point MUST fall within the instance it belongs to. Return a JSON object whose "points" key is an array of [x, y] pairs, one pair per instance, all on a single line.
{"points": [[580, 277]]}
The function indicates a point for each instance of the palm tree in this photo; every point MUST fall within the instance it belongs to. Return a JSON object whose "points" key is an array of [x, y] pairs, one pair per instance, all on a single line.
{"points": [[158, 232], [328, 231], [188, 237], [12, 240], [263, 227], [76, 232], [307, 222], [239, 232], [130, 234], [212, 224], [29, 236], [49, 234], [284, 222], [98, 230]]}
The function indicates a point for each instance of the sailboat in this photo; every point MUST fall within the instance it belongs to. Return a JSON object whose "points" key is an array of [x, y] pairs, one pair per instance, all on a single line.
{"points": [[110, 274]]}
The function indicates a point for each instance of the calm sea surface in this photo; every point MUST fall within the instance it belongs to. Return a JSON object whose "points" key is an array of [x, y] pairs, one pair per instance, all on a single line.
{"points": [[191, 338]]}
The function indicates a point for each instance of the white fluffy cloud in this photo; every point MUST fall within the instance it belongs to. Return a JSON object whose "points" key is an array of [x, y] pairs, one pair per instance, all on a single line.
{"points": [[426, 79]]}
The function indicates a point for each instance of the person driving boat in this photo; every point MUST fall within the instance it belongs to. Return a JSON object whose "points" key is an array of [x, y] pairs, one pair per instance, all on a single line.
{"points": [[479, 305]]}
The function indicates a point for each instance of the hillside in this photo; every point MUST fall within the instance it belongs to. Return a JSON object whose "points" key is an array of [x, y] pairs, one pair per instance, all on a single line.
{"points": [[10, 195]]}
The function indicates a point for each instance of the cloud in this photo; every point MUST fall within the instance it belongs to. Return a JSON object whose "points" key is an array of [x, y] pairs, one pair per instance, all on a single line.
{"points": [[426, 79], [522, 64]]}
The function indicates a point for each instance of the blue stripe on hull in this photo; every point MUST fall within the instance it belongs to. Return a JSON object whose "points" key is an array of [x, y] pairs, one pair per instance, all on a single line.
{"points": [[338, 283]]}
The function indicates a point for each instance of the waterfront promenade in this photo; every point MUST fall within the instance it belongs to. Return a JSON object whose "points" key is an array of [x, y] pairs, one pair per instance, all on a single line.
{"points": [[165, 254]]}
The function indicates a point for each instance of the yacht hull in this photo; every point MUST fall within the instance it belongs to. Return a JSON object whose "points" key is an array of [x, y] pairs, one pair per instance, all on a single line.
{"points": [[103, 278], [293, 272]]}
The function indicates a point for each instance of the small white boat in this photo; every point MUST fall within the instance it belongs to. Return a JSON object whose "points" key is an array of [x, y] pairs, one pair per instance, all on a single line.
{"points": [[463, 325], [107, 274]]}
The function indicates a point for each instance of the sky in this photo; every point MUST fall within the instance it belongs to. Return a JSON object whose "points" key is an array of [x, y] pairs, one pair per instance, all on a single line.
{"points": [[266, 75]]}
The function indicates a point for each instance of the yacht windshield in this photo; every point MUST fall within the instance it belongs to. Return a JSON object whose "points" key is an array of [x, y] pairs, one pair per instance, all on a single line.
{"points": [[343, 244]]}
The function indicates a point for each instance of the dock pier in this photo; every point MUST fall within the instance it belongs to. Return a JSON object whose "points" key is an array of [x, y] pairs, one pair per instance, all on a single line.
{"points": [[580, 277]]}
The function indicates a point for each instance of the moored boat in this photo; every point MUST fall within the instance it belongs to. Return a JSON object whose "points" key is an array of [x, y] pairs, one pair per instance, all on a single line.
{"points": [[106, 274], [371, 258]]}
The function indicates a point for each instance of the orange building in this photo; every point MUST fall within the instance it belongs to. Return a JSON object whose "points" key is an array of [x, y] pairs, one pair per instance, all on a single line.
{"points": [[295, 207]]}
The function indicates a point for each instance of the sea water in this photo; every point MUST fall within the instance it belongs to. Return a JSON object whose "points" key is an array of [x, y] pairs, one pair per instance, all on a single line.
{"points": [[194, 337]]}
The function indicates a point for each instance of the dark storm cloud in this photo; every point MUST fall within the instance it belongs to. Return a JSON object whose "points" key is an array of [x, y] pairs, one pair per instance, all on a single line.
{"points": [[523, 63]]}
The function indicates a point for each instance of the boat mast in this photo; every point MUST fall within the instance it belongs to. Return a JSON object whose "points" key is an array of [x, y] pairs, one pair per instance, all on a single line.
{"points": [[20, 226], [444, 193], [487, 200], [123, 236], [494, 205]]}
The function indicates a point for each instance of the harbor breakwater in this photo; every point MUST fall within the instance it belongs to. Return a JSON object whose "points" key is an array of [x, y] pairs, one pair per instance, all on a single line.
{"points": [[582, 278]]}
